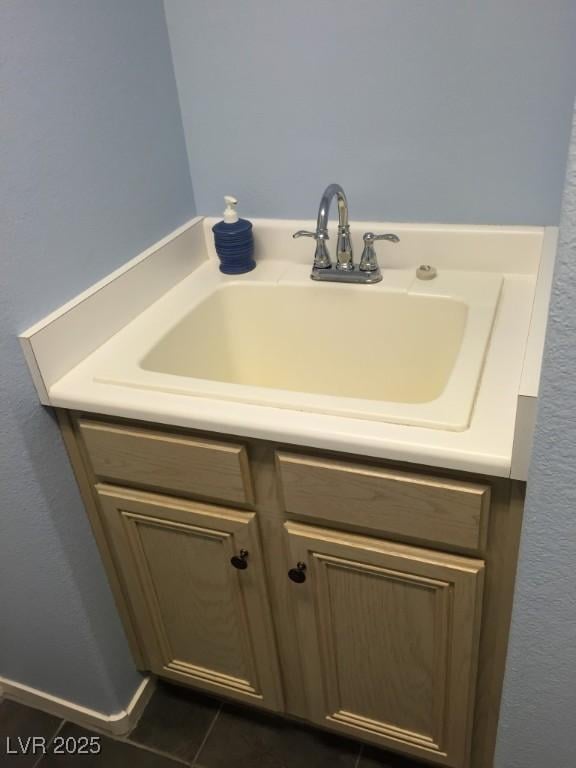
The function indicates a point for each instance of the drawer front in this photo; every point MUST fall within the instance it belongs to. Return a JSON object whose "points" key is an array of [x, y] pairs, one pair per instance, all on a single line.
{"points": [[153, 459], [436, 510]]}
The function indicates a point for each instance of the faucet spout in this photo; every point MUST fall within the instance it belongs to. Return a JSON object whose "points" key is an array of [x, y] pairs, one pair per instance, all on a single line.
{"points": [[344, 256], [332, 190]]}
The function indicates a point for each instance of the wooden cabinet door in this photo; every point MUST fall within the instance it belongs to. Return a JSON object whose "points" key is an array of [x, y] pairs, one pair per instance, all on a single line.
{"points": [[388, 640], [199, 619]]}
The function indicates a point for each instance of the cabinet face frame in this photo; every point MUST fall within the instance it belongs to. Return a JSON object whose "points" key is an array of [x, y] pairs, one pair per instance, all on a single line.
{"points": [[131, 519], [454, 584]]}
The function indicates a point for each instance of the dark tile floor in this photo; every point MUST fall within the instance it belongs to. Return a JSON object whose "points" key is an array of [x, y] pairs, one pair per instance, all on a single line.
{"points": [[180, 727]]}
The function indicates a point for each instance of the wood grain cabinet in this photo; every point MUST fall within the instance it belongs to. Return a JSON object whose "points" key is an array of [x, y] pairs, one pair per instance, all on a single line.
{"points": [[370, 598], [389, 640], [199, 619], [162, 461]]}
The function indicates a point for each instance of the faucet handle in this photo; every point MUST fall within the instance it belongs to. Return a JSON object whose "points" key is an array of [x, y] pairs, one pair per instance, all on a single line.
{"points": [[316, 235], [321, 255], [368, 262], [369, 237]]}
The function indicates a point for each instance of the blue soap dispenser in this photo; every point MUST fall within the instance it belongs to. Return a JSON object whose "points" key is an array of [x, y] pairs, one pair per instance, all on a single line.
{"points": [[234, 241]]}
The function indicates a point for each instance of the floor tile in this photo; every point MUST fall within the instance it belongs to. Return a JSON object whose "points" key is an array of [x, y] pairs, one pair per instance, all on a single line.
{"points": [[378, 758], [247, 739], [17, 720], [175, 721], [113, 754]]}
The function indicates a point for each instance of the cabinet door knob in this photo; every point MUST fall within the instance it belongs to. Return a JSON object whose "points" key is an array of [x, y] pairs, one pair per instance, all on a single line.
{"points": [[298, 574], [240, 561]]}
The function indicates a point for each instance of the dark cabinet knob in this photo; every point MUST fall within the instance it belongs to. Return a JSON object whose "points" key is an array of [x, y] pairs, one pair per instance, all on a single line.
{"points": [[298, 574], [240, 561]]}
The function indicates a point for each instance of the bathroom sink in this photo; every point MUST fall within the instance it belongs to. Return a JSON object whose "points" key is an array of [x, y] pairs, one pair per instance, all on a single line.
{"points": [[411, 356], [391, 346]]}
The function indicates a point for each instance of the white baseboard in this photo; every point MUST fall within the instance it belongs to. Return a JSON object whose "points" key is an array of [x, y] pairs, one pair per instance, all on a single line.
{"points": [[118, 724]]}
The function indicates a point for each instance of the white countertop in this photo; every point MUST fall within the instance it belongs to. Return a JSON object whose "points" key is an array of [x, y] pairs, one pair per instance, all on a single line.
{"points": [[67, 350]]}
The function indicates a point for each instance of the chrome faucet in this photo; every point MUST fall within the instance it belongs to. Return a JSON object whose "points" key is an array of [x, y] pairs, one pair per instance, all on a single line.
{"points": [[345, 271]]}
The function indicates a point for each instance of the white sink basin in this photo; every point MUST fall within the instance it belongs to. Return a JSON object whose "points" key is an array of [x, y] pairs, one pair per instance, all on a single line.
{"points": [[391, 346], [411, 356]]}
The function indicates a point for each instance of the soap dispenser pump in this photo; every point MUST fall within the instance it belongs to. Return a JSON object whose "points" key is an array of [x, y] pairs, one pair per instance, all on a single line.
{"points": [[230, 213], [234, 241]]}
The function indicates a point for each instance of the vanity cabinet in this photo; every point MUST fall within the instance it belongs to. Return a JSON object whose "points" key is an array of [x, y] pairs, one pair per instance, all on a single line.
{"points": [[367, 597]]}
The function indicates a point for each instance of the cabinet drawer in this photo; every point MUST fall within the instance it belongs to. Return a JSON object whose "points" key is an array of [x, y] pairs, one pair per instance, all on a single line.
{"points": [[154, 459], [426, 508]]}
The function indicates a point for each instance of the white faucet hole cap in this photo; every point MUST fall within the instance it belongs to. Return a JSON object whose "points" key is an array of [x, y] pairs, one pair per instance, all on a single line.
{"points": [[230, 214]]}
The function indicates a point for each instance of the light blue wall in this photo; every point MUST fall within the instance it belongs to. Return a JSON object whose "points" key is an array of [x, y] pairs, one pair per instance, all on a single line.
{"points": [[93, 169], [425, 110], [538, 717]]}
